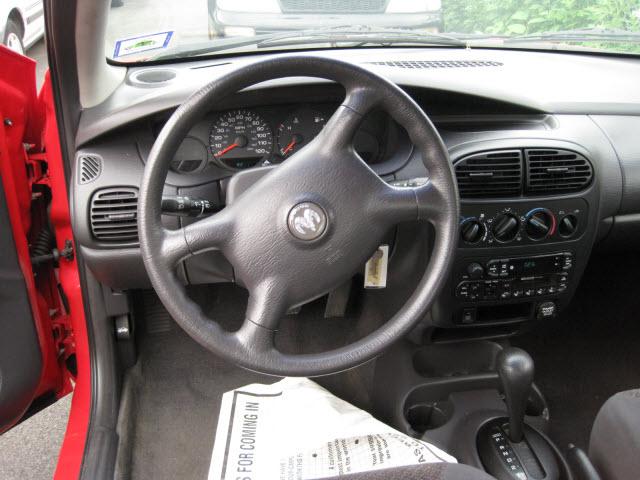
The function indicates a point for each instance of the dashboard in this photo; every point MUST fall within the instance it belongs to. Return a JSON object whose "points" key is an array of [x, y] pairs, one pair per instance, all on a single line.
{"points": [[545, 153]]}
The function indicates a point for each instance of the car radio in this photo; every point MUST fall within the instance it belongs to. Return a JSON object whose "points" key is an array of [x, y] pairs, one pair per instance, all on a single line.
{"points": [[512, 278]]}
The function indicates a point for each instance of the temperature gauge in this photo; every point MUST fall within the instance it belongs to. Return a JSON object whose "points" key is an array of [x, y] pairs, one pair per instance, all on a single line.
{"points": [[297, 130]]}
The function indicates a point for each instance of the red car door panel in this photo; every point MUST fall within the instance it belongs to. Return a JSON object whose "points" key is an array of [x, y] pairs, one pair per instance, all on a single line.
{"points": [[41, 357]]}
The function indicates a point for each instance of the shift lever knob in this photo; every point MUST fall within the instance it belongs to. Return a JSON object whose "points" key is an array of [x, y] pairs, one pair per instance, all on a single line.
{"points": [[515, 369]]}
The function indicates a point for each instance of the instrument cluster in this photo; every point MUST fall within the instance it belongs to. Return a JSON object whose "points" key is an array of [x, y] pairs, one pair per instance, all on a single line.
{"points": [[243, 138]]}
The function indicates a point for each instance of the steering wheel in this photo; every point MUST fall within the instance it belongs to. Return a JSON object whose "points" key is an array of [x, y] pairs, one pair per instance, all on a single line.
{"points": [[304, 228]]}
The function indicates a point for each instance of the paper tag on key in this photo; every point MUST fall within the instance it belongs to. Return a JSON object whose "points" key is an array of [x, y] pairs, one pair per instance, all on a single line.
{"points": [[375, 271]]}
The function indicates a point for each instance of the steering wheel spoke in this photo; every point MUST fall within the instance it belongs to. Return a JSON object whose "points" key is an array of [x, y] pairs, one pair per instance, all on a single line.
{"points": [[174, 247], [395, 204], [342, 126], [206, 234], [433, 202], [265, 309]]}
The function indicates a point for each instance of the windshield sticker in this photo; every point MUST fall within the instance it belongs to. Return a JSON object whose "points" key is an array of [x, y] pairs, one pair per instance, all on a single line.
{"points": [[143, 43]]}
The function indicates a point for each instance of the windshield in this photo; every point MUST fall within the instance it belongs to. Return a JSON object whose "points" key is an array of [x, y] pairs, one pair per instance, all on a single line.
{"points": [[145, 30]]}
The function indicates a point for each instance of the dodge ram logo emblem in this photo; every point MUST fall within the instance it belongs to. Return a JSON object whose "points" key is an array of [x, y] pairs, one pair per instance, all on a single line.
{"points": [[307, 221]]}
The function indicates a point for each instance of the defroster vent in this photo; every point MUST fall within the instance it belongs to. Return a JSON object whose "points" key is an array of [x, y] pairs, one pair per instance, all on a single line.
{"points": [[114, 215], [490, 174], [419, 64], [551, 172]]}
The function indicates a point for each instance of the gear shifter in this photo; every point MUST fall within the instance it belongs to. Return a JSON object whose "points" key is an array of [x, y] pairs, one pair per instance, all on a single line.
{"points": [[513, 450], [515, 369]]}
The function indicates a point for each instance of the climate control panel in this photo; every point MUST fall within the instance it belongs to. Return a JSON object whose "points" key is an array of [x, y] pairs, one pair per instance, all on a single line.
{"points": [[493, 225]]}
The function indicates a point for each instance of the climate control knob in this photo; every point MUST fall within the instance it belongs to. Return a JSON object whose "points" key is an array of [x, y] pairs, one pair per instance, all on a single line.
{"points": [[505, 227], [539, 223], [568, 225], [472, 230]]}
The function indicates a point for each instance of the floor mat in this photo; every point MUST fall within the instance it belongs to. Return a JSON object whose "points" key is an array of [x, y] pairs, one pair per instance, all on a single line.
{"points": [[173, 401], [592, 350], [172, 396]]}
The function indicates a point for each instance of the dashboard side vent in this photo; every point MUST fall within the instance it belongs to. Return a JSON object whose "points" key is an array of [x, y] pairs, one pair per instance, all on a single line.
{"points": [[438, 63], [114, 214], [551, 171], [490, 174], [89, 168]]}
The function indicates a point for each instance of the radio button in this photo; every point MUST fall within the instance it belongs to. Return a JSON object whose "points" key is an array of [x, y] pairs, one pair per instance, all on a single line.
{"points": [[468, 315], [499, 268], [462, 290], [493, 268], [546, 310], [475, 270]]}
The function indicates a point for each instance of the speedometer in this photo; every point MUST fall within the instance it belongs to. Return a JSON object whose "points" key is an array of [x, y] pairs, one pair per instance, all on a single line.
{"points": [[240, 139]]}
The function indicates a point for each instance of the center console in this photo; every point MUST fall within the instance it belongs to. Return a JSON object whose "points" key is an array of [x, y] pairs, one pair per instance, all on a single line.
{"points": [[518, 260], [477, 401]]}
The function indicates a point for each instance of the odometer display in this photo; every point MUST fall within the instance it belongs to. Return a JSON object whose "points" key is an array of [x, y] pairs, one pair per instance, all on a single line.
{"points": [[240, 139]]}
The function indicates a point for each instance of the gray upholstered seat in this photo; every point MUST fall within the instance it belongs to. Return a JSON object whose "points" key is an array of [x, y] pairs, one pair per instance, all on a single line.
{"points": [[614, 448]]}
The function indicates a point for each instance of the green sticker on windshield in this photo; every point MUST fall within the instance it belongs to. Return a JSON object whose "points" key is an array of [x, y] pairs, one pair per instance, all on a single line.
{"points": [[142, 43]]}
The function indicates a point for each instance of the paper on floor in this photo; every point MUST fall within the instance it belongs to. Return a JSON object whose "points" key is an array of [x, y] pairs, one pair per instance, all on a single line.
{"points": [[297, 430]]}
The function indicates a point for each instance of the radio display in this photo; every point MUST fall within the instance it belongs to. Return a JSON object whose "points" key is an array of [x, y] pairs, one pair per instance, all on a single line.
{"points": [[528, 266], [538, 265]]}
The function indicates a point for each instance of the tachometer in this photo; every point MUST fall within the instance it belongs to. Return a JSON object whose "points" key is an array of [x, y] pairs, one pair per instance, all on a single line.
{"points": [[298, 129], [240, 139]]}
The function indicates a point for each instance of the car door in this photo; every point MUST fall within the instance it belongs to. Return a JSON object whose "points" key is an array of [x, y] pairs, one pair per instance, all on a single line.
{"points": [[37, 348]]}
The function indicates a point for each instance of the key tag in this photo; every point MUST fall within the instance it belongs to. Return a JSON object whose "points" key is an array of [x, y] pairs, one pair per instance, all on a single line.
{"points": [[375, 271]]}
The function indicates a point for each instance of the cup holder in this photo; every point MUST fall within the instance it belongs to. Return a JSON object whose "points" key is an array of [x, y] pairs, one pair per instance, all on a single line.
{"points": [[428, 416]]}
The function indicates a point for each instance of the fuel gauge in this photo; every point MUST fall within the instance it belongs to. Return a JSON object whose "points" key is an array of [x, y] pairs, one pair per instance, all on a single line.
{"points": [[297, 130]]}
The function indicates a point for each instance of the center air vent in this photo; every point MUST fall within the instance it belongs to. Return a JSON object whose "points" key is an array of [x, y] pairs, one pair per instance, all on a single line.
{"points": [[490, 174], [114, 215], [437, 63], [551, 172]]}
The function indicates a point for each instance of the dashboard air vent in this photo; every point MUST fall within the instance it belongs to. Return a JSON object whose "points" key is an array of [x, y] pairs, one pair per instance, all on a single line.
{"points": [[89, 168], [551, 171], [490, 174], [114, 214], [438, 63]]}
